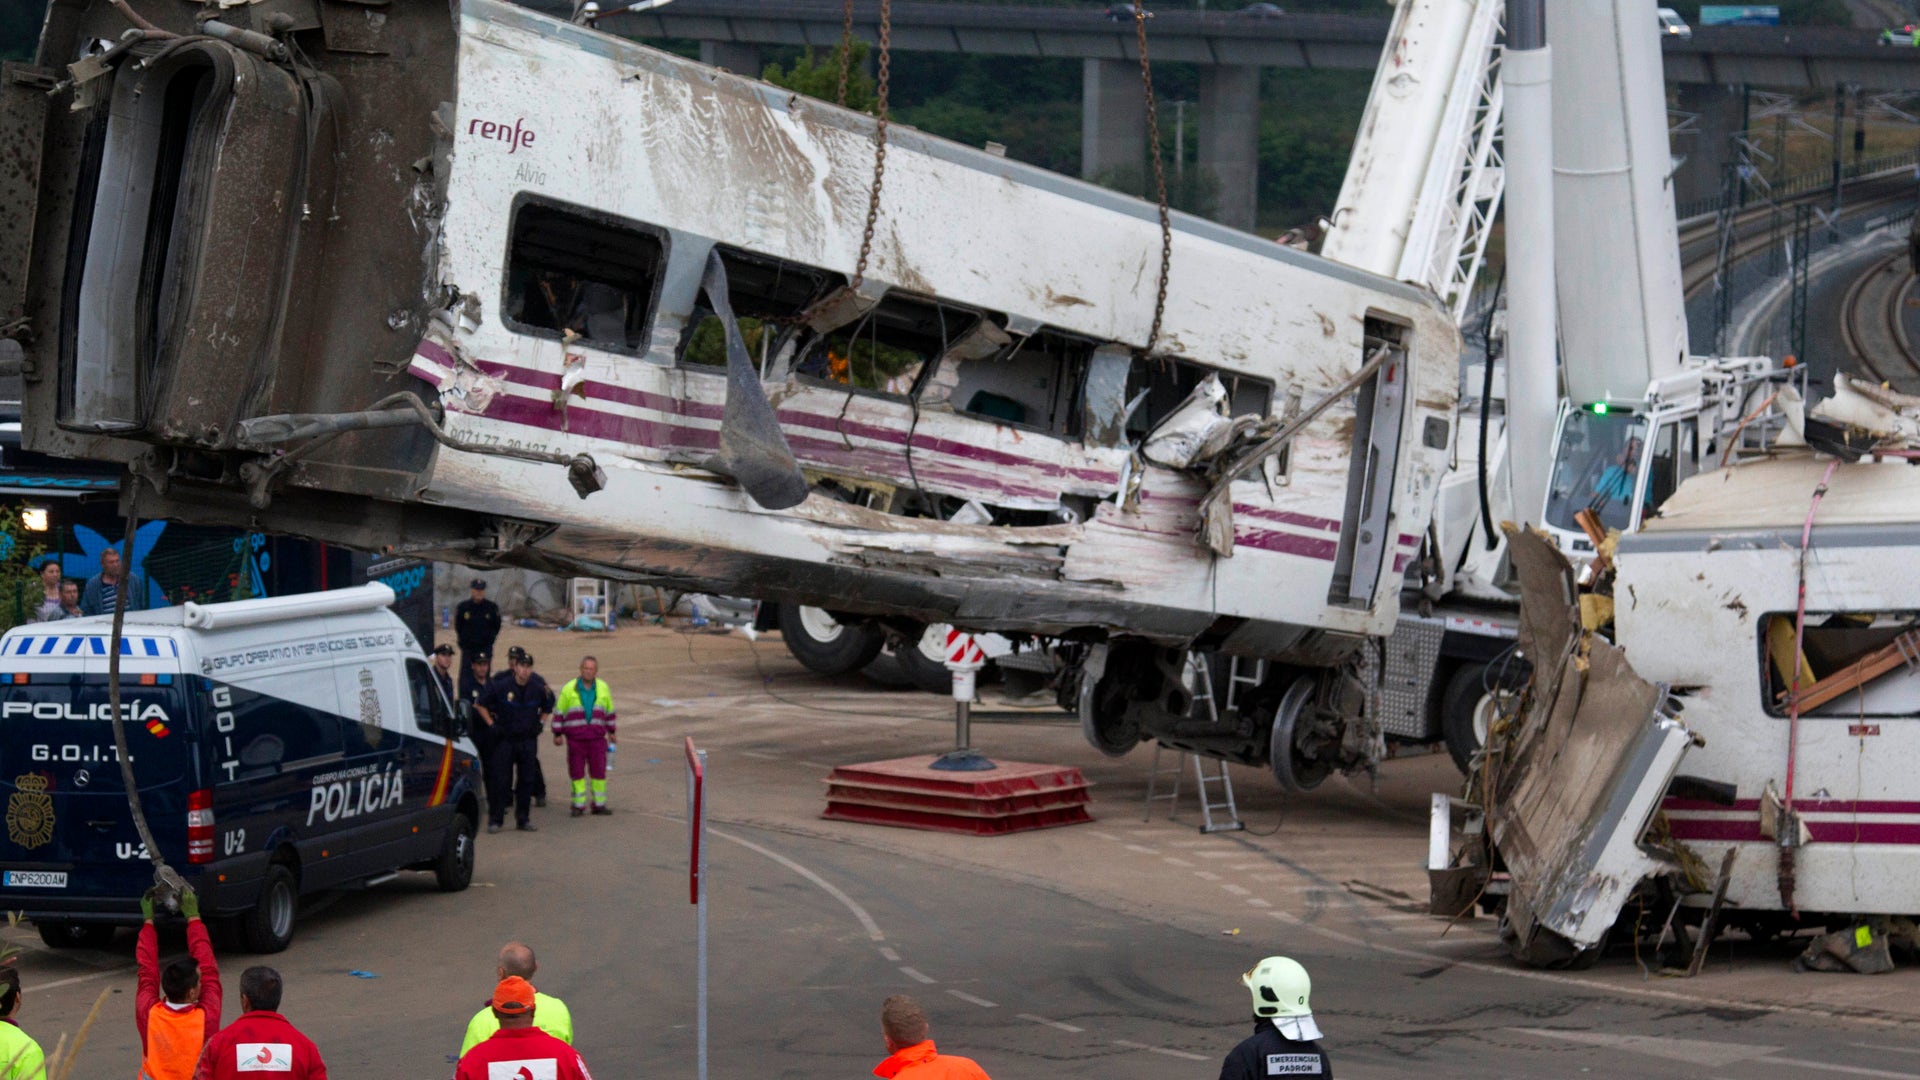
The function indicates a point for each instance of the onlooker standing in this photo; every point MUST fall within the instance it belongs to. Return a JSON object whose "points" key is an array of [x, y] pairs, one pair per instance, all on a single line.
{"points": [[102, 593], [443, 670], [261, 1040], [46, 607], [20, 1056], [178, 1009], [476, 622], [70, 600], [911, 1054], [515, 706], [518, 1045], [551, 1014], [584, 719]]}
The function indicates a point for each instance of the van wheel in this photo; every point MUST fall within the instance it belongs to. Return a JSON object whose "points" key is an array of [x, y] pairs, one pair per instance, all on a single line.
{"points": [[1471, 702], [453, 870], [68, 935], [826, 646], [268, 928]]}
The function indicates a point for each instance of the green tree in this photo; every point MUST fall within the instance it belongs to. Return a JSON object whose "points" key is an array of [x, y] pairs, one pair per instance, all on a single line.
{"points": [[819, 76], [19, 573]]}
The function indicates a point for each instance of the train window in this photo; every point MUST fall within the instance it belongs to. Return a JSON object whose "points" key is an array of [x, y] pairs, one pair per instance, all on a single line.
{"points": [[887, 349], [578, 274], [1033, 382], [768, 295], [1167, 384], [1853, 664]]}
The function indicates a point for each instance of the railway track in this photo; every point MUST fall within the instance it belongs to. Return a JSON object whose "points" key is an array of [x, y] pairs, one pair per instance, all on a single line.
{"points": [[1873, 322], [1753, 228]]}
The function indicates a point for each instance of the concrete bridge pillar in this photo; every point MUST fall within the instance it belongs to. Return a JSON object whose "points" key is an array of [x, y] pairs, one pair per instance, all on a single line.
{"points": [[1721, 114], [1230, 139], [1113, 117], [739, 57]]}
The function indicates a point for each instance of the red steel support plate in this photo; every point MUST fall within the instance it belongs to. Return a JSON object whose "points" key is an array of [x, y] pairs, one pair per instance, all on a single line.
{"points": [[945, 804], [915, 774], [971, 826]]}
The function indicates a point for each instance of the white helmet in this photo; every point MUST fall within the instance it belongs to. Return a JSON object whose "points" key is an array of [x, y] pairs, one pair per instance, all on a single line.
{"points": [[1281, 991]]}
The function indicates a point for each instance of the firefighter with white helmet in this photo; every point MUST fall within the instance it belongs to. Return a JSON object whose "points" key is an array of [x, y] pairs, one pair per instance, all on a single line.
{"points": [[1285, 1038]]}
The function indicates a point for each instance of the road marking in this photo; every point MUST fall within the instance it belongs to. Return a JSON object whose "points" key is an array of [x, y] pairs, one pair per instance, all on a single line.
{"points": [[1103, 835], [1159, 1050], [761, 754], [917, 976], [1237, 890], [1712, 1055], [1849, 1070], [1216, 854], [828, 887], [974, 1000], [89, 977], [1206, 875], [1055, 1024], [891, 956], [1891, 1049], [1171, 861], [1254, 901], [1142, 849]]}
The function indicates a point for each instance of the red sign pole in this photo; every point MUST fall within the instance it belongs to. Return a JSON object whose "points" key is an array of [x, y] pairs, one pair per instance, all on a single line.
{"points": [[696, 883]]}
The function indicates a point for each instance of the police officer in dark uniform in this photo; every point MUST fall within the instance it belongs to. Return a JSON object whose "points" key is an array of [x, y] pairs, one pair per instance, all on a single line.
{"points": [[1285, 1040], [473, 683], [514, 707], [476, 624], [442, 659]]}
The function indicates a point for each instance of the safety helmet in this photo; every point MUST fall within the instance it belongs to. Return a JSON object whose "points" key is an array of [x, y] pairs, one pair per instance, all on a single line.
{"points": [[1280, 988]]}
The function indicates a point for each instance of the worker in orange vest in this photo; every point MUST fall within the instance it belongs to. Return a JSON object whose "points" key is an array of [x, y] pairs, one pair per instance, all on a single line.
{"points": [[177, 1008], [911, 1055]]}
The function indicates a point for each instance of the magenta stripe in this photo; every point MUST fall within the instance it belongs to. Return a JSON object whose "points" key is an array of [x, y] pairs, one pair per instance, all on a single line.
{"points": [[1288, 543], [1805, 806], [1827, 832]]}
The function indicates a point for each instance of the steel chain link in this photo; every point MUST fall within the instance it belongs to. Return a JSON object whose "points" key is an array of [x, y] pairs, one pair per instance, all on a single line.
{"points": [[846, 51], [879, 141], [1140, 14]]}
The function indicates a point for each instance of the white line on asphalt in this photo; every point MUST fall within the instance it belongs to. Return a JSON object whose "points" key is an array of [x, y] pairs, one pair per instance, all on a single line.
{"points": [[1158, 1050], [916, 975], [1103, 835], [1254, 901], [817, 765], [1142, 849], [1237, 890], [1204, 875], [1171, 861], [973, 1000], [1216, 854], [892, 957], [1894, 1049], [866, 920], [89, 977], [1057, 1025], [761, 754]]}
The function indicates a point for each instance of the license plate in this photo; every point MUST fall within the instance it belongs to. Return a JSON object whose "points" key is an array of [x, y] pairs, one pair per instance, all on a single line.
{"points": [[35, 879]]}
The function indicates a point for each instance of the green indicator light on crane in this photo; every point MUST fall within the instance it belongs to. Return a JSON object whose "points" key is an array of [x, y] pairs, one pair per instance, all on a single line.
{"points": [[1599, 408]]}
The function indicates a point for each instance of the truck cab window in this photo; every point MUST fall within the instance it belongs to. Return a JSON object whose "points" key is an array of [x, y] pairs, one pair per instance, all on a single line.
{"points": [[768, 296], [1597, 467], [886, 350], [581, 274]]}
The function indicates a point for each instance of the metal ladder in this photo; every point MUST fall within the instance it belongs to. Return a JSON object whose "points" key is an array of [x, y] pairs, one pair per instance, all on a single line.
{"points": [[1204, 783]]}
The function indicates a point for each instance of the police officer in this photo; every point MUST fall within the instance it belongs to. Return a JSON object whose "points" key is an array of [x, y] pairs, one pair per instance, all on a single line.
{"points": [[1285, 1038], [473, 683], [443, 670], [514, 706], [476, 623]]}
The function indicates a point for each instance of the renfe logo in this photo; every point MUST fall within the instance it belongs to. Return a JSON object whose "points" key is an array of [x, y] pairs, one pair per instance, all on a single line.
{"points": [[515, 137], [542, 1069], [355, 796], [263, 1057]]}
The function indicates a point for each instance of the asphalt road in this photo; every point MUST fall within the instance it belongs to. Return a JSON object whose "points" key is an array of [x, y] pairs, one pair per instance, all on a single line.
{"points": [[1105, 950]]}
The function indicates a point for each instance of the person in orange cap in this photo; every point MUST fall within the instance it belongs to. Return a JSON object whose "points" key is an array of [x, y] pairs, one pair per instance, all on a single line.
{"points": [[519, 1048], [911, 1055]]}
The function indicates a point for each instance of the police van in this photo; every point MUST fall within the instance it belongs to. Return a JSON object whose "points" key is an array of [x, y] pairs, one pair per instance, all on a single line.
{"points": [[280, 746]]}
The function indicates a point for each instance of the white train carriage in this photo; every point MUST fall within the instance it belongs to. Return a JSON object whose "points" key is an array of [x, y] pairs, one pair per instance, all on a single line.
{"points": [[379, 280]]}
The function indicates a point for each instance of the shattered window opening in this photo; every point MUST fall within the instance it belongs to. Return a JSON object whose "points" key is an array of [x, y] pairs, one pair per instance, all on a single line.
{"points": [[1854, 664], [1035, 382], [768, 296], [1168, 383], [577, 270], [889, 349]]}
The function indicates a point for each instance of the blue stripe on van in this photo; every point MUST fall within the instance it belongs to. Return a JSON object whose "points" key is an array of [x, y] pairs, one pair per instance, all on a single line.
{"points": [[94, 645]]}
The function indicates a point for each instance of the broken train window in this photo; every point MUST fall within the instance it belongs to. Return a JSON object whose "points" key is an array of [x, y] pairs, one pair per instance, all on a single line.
{"points": [[1852, 663], [1167, 383], [580, 272], [1034, 382], [886, 350], [768, 295]]}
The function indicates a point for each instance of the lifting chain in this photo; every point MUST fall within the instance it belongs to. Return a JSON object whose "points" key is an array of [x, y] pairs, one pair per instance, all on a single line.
{"points": [[846, 51], [879, 140], [1140, 14]]}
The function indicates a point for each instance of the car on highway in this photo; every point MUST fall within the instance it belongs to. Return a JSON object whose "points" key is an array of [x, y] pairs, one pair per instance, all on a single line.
{"points": [[1261, 11], [1672, 25], [1124, 12], [279, 747], [1908, 35]]}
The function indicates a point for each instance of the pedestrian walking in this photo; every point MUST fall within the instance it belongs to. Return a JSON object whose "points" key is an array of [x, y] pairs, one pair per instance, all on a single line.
{"points": [[102, 593], [261, 1040], [20, 1056], [551, 1015], [1285, 1040], [911, 1056], [476, 622], [443, 670], [519, 1049], [177, 1008], [515, 706], [583, 719]]}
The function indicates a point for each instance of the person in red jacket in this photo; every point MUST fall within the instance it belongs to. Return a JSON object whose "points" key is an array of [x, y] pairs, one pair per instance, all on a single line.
{"points": [[519, 1049], [911, 1056], [177, 1009], [261, 1040]]}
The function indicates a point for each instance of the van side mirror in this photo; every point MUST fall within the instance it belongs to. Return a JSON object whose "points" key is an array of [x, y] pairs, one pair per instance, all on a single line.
{"points": [[462, 719]]}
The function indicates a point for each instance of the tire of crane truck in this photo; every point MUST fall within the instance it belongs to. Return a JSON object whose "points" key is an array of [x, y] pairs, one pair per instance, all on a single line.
{"points": [[1468, 706], [824, 644], [924, 660]]}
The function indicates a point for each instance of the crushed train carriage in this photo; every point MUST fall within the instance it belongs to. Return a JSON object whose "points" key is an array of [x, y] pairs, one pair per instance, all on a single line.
{"points": [[388, 276]]}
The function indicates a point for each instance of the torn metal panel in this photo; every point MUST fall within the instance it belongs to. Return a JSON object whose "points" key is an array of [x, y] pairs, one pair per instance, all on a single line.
{"points": [[752, 449], [1584, 772]]}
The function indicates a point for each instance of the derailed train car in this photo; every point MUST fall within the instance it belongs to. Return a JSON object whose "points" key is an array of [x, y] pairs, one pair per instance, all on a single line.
{"points": [[495, 288]]}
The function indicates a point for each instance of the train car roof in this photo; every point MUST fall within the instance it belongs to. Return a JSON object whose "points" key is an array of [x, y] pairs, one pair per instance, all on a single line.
{"points": [[1775, 494]]}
